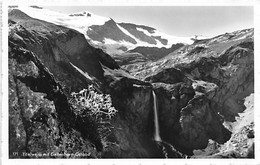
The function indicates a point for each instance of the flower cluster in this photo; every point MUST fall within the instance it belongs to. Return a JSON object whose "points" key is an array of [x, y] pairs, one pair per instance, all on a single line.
{"points": [[89, 102]]}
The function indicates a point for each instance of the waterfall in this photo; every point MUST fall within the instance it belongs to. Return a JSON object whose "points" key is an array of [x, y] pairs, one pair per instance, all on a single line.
{"points": [[167, 149], [156, 122]]}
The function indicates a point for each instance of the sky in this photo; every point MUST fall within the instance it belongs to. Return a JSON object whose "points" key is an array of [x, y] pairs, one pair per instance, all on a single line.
{"points": [[182, 21]]}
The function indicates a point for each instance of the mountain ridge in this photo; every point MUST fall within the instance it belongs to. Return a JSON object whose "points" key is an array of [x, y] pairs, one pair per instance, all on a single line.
{"points": [[82, 22]]}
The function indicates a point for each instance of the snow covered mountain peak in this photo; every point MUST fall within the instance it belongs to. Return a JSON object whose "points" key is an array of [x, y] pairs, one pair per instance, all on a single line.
{"points": [[104, 32], [78, 21]]}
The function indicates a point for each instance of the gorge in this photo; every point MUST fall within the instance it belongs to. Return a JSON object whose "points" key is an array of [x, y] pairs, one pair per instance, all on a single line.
{"points": [[194, 102]]}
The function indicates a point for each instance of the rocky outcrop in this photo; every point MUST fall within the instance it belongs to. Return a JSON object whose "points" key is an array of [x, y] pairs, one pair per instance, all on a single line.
{"points": [[187, 121], [241, 143], [232, 72], [199, 123], [109, 30], [41, 120], [169, 75]]}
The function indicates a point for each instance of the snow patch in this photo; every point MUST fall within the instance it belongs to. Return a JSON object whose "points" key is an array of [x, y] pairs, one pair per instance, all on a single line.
{"points": [[112, 46], [83, 73], [246, 117], [159, 44], [108, 41], [126, 32], [199, 37], [172, 39], [143, 30], [95, 42]]}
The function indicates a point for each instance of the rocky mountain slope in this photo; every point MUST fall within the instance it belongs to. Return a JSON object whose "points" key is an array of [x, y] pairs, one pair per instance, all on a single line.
{"points": [[221, 72], [143, 54], [44, 60], [200, 90]]}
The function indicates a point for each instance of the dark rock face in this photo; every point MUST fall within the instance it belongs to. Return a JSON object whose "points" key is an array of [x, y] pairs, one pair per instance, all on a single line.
{"points": [[170, 101], [251, 151], [135, 101], [39, 114], [134, 111], [133, 131], [132, 26], [108, 30], [186, 120], [200, 123], [170, 76], [251, 134], [196, 50], [162, 40]]}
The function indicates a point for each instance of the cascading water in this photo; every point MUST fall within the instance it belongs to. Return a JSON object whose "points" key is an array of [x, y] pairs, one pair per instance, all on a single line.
{"points": [[167, 149], [156, 122]]}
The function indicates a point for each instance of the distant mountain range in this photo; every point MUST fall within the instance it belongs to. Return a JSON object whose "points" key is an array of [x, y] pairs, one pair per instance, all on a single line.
{"points": [[105, 33]]}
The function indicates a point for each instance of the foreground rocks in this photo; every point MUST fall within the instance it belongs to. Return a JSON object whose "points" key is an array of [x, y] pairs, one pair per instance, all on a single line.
{"points": [[40, 117]]}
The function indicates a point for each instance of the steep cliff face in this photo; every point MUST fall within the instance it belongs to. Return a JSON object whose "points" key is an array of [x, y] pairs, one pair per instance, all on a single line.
{"points": [[40, 117], [134, 127], [187, 120], [132, 123]]}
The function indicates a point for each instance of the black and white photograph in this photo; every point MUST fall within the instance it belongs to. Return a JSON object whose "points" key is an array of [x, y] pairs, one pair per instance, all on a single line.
{"points": [[129, 82]]}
